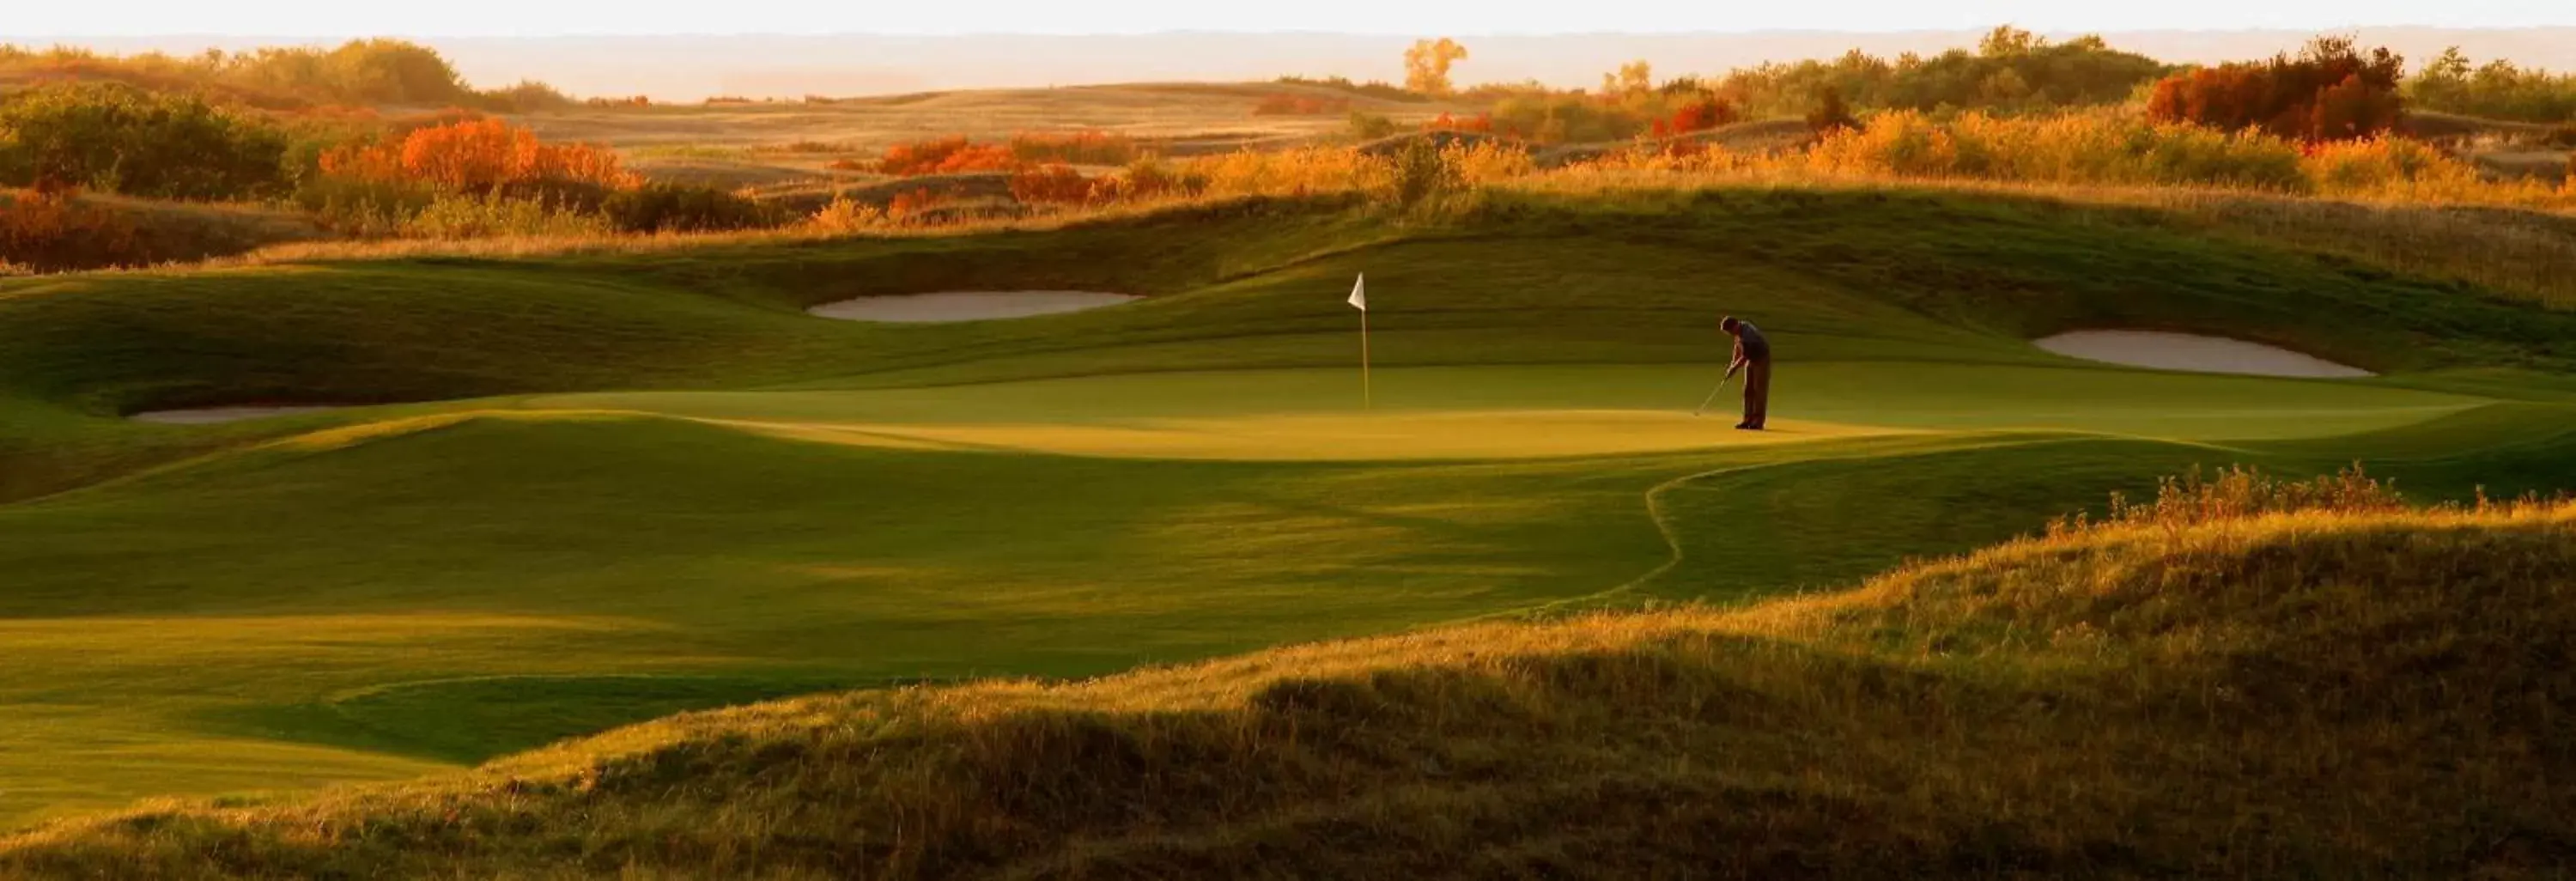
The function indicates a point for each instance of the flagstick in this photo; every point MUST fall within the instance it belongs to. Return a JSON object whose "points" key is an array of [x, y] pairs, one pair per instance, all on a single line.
{"points": [[1368, 400]]}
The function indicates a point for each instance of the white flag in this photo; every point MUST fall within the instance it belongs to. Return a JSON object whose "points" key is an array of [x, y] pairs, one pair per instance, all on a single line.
{"points": [[1359, 293]]}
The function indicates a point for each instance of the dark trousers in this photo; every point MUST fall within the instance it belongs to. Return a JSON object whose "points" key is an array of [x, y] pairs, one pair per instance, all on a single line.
{"points": [[1757, 392]]}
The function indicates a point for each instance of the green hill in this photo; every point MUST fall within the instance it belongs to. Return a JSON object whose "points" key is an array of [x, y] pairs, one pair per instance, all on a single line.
{"points": [[2379, 691], [603, 486]]}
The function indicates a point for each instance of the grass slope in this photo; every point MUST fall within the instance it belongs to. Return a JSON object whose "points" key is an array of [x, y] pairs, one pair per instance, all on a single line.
{"points": [[687, 493], [2379, 691]]}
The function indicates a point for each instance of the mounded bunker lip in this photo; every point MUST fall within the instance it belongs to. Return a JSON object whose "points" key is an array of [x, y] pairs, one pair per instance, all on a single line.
{"points": [[218, 415], [949, 306], [2196, 353]]}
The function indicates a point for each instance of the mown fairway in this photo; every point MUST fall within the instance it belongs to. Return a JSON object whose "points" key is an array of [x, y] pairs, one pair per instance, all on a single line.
{"points": [[648, 482]]}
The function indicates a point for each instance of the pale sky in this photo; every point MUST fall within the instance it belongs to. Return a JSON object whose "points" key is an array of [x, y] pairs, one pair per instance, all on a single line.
{"points": [[459, 18]]}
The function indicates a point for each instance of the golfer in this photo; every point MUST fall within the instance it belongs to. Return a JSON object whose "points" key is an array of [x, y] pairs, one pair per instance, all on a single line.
{"points": [[1753, 356]]}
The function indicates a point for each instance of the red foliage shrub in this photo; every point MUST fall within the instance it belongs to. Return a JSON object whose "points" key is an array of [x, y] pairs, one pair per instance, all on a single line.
{"points": [[477, 156], [2331, 91], [1300, 105], [2352, 110], [1700, 115]]}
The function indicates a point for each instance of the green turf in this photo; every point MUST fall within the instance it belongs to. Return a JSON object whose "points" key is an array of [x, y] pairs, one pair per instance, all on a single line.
{"points": [[664, 487]]}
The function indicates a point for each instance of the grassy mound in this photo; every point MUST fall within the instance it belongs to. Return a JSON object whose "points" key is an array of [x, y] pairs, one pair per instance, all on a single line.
{"points": [[2240, 679]]}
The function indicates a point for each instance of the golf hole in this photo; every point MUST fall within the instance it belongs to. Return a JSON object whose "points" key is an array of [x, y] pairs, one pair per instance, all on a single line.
{"points": [[966, 306], [217, 415], [2195, 353]]}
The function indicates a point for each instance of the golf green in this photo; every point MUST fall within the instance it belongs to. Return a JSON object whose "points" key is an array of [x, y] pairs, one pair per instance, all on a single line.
{"points": [[627, 485]]}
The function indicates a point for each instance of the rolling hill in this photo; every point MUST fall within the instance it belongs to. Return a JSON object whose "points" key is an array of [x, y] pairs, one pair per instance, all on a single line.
{"points": [[576, 491]]}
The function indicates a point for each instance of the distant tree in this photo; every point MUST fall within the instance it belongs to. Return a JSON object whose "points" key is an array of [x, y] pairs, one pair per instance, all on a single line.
{"points": [[117, 138], [2007, 41], [1426, 65], [1830, 113], [2330, 91], [2498, 89], [2011, 69], [1633, 78]]}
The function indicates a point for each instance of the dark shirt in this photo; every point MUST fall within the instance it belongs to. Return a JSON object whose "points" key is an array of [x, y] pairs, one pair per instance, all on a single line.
{"points": [[1750, 345]]}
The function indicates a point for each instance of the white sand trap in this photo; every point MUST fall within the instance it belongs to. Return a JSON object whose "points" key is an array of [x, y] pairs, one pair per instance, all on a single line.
{"points": [[213, 415], [2192, 352], [966, 305]]}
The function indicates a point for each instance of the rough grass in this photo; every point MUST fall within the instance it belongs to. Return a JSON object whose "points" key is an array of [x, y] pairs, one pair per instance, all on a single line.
{"points": [[2379, 690]]}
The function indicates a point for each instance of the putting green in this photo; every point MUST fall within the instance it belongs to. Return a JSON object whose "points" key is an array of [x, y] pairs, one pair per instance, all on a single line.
{"points": [[659, 485]]}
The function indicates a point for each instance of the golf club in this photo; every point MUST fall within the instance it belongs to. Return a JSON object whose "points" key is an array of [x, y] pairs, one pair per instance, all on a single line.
{"points": [[1712, 395]]}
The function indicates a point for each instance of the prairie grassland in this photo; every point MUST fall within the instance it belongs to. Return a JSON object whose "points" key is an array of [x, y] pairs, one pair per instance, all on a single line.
{"points": [[2376, 686], [1218, 114]]}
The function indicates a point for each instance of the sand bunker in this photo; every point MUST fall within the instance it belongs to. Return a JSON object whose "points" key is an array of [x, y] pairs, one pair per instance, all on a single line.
{"points": [[2192, 352], [966, 305], [212, 415]]}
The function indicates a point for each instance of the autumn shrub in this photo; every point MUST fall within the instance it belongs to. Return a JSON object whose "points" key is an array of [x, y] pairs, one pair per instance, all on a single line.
{"points": [[1370, 126], [1074, 148], [1148, 179], [363, 208], [1485, 162], [116, 138], [55, 232], [951, 155], [1697, 115], [2071, 149], [675, 208], [1423, 171], [465, 216], [1287, 172], [2388, 167], [1482, 123], [477, 157], [845, 215]]}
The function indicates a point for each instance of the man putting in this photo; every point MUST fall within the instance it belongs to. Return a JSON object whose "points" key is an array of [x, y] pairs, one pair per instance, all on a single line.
{"points": [[1753, 356]]}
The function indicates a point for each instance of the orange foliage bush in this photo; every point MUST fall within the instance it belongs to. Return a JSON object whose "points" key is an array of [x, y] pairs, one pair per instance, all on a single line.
{"points": [[1482, 122], [1300, 105], [477, 156], [950, 155]]}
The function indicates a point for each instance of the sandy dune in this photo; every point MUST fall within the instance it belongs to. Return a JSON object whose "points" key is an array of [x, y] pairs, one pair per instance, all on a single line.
{"points": [[2192, 352], [966, 305]]}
